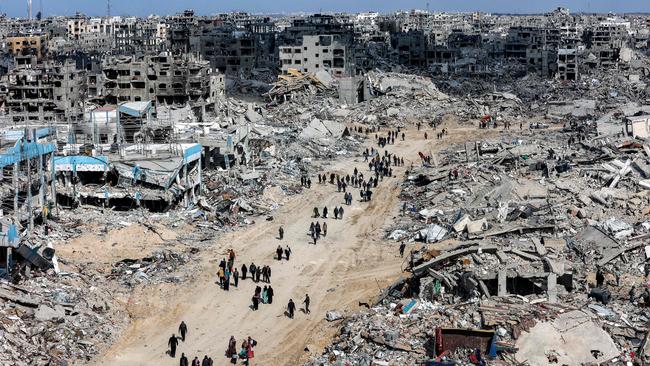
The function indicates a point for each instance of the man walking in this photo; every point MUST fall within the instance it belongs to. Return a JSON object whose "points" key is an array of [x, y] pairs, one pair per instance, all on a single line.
{"points": [[278, 252], [182, 329], [243, 271], [291, 307], [184, 361], [287, 252], [172, 343], [306, 302], [281, 232], [402, 246], [236, 277]]}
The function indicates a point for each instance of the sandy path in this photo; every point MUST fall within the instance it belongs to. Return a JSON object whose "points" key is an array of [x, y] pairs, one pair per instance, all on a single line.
{"points": [[348, 266]]}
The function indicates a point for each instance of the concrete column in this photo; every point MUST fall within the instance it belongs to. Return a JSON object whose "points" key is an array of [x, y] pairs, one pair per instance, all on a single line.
{"points": [[502, 281], [551, 287], [15, 181], [53, 182]]}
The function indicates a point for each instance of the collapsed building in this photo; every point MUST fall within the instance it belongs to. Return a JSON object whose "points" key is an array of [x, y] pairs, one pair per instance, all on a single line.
{"points": [[506, 233]]}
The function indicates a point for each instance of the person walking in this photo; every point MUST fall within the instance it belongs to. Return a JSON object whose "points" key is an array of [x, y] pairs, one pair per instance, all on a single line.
{"points": [[306, 302], [269, 294], [324, 229], [341, 209], [182, 329], [336, 213], [278, 253], [221, 274], [184, 361], [196, 361], [231, 351], [205, 361], [226, 279], [291, 307], [252, 268], [244, 270], [402, 246], [256, 301], [172, 343], [325, 212], [281, 232], [265, 295], [287, 252], [236, 277]]}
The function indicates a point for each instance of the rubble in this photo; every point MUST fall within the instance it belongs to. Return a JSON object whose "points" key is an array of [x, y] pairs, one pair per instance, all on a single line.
{"points": [[513, 245]]}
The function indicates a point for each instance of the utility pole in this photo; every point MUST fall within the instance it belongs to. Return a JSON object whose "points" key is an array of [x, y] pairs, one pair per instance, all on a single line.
{"points": [[29, 181]]}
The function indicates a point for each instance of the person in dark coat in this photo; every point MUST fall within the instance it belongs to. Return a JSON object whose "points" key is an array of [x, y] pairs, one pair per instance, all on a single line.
{"points": [[291, 307], [306, 302], [172, 343], [232, 347], [184, 361], [205, 361], [287, 252], [243, 271], [182, 329], [278, 252]]}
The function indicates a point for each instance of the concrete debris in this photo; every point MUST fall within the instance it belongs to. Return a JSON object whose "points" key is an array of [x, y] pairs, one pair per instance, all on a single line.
{"points": [[523, 235], [527, 230]]}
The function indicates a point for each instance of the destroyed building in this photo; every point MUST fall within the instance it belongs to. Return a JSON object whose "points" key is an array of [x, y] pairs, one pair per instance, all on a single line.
{"points": [[204, 124], [165, 79], [51, 91], [332, 53]]}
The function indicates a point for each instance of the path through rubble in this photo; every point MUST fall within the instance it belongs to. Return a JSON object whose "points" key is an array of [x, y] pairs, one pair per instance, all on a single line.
{"points": [[350, 265]]}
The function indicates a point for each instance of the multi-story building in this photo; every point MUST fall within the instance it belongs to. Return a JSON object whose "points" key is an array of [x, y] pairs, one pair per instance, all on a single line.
{"points": [[27, 44], [51, 91], [163, 79], [332, 53]]}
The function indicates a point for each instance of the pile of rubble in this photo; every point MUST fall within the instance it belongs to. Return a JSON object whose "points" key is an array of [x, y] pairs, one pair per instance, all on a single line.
{"points": [[161, 266], [518, 246], [49, 321]]}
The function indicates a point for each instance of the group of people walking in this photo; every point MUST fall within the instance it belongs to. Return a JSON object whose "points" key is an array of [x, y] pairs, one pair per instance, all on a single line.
{"points": [[246, 352], [263, 296], [279, 251], [226, 272], [291, 307], [382, 167]]}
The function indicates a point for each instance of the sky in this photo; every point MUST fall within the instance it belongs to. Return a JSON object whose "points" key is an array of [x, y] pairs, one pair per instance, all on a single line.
{"points": [[18, 8]]}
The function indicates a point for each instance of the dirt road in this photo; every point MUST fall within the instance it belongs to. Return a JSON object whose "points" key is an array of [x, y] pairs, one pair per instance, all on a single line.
{"points": [[351, 264]]}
